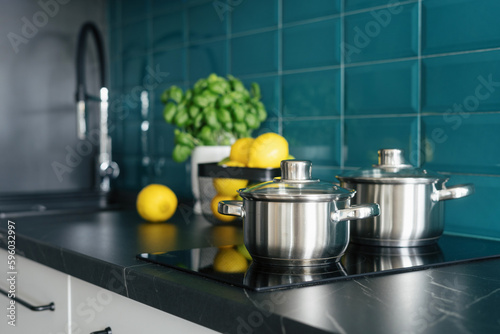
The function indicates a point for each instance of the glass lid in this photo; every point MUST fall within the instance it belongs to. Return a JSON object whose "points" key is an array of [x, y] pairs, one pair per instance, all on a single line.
{"points": [[392, 168], [296, 184]]}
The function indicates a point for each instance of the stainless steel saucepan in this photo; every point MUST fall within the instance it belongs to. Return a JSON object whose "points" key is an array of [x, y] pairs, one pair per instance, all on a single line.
{"points": [[295, 220], [411, 201]]}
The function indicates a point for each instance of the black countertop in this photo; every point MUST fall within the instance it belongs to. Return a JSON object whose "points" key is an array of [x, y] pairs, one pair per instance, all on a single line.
{"points": [[100, 248]]}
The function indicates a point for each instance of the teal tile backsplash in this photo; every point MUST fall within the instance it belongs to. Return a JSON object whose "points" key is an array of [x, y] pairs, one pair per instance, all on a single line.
{"points": [[206, 58], [303, 140], [450, 25], [311, 94], [134, 10], [467, 143], [362, 4], [134, 70], [364, 136], [133, 41], [167, 29], [385, 33], [173, 62], [299, 10], [471, 81], [204, 23], [476, 214], [307, 46], [388, 88], [340, 79], [255, 53], [243, 19]]}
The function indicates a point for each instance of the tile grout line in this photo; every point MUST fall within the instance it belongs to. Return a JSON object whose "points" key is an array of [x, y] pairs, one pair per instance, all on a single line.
{"points": [[342, 86], [280, 67], [354, 64], [419, 86], [388, 5], [291, 24], [369, 116], [229, 34], [185, 37], [321, 68], [338, 117], [150, 133]]}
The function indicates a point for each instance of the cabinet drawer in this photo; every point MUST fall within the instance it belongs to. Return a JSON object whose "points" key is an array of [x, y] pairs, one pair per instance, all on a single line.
{"points": [[94, 309], [37, 285]]}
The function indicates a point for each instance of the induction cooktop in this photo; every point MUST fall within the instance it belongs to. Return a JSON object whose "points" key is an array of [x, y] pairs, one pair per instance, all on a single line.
{"points": [[359, 260]]}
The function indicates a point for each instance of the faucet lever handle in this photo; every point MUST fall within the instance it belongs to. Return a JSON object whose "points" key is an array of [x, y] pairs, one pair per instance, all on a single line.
{"points": [[109, 168]]}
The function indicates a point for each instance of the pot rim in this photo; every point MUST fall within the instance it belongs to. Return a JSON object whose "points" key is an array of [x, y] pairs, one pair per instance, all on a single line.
{"points": [[392, 168], [312, 198], [391, 180], [296, 185]]}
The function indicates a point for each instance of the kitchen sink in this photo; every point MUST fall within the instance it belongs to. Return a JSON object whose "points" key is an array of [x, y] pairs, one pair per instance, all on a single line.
{"points": [[23, 205]]}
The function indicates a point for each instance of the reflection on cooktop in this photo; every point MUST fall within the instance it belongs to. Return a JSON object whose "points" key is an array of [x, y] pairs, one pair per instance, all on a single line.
{"points": [[232, 265]]}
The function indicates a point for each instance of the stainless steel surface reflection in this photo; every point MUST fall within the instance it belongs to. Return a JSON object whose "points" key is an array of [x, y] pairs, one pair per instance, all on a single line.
{"points": [[260, 276], [361, 259]]}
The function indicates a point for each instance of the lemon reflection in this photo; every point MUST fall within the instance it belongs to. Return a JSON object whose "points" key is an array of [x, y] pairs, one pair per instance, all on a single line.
{"points": [[157, 237], [226, 235], [230, 260]]}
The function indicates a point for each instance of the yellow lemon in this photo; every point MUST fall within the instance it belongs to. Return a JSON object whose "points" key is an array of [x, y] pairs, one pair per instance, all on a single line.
{"points": [[267, 151], [215, 203], [156, 203], [240, 150], [229, 187], [229, 260]]}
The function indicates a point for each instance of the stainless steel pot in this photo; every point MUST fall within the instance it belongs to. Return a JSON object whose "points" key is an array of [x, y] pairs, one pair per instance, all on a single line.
{"points": [[295, 220], [411, 202]]}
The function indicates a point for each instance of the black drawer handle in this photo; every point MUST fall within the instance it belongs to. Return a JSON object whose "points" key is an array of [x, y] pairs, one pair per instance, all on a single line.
{"points": [[50, 306], [106, 330]]}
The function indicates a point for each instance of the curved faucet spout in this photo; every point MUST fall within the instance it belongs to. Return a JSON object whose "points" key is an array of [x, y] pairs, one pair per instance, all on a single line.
{"points": [[106, 168], [88, 28]]}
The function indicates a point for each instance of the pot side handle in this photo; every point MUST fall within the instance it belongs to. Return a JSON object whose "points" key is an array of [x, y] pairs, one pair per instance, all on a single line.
{"points": [[231, 208], [454, 192], [356, 212]]}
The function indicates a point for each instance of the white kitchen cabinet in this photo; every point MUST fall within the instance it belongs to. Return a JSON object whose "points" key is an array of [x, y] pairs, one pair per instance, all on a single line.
{"points": [[94, 309], [80, 307], [37, 285]]}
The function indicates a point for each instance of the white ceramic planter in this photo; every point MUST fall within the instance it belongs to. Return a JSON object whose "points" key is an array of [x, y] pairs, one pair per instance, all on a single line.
{"points": [[204, 154]]}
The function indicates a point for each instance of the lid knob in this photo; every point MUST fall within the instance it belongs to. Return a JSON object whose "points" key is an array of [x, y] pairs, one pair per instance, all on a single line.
{"points": [[296, 170], [391, 157]]}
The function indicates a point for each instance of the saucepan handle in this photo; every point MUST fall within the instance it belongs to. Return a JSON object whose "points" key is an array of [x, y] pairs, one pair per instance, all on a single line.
{"points": [[454, 192], [356, 212], [231, 208]]}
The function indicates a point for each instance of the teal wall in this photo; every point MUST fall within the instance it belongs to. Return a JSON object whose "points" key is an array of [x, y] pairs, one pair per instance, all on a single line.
{"points": [[340, 80]]}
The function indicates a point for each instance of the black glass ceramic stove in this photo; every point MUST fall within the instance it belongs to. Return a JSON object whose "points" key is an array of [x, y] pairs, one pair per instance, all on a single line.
{"points": [[357, 261]]}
